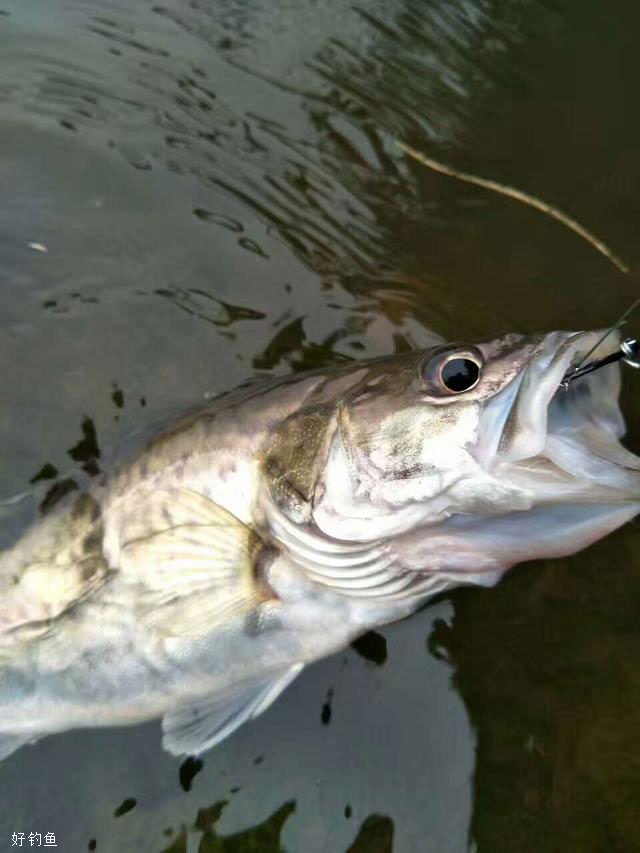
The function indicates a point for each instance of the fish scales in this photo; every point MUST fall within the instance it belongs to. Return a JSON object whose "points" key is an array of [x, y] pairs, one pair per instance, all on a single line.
{"points": [[283, 519]]}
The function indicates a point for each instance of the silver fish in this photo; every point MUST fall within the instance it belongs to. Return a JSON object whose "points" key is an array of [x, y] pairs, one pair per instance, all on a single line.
{"points": [[286, 518]]}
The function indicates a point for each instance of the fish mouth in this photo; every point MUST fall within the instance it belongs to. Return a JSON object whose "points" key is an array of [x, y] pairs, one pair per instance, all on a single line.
{"points": [[555, 455], [562, 442]]}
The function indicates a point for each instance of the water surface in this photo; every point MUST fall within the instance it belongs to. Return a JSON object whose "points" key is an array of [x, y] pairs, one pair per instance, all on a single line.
{"points": [[195, 193]]}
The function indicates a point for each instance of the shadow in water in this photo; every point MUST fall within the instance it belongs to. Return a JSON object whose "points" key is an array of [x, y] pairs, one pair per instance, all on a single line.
{"points": [[546, 664]]}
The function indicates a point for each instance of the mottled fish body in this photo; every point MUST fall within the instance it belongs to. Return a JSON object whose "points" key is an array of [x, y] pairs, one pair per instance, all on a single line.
{"points": [[283, 520]]}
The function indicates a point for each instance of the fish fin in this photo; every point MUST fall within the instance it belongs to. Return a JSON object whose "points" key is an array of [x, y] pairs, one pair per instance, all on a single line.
{"points": [[195, 727], [9, 743], [196, 561]]}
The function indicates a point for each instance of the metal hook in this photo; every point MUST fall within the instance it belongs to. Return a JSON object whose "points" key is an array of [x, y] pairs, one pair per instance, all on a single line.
{"points": [[629, 352], [631, 349]]}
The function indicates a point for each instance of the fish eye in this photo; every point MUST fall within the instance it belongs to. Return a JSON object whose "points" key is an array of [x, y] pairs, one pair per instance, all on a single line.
{"points": [[459, 374], [452, 372]]}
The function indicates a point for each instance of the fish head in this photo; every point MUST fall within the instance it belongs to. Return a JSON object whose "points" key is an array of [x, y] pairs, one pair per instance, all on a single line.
{"points": [[468, 458]]}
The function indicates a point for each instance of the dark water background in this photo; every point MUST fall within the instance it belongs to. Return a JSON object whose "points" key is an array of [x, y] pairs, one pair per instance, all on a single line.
{"points": [[219, 194]]}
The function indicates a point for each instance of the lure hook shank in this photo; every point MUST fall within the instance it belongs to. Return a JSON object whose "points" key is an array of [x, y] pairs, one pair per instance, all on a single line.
{"points": [[629, 352]]}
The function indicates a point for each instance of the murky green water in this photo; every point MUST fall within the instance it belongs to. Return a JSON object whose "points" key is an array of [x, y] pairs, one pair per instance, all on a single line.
{"points": [[196, 192]]}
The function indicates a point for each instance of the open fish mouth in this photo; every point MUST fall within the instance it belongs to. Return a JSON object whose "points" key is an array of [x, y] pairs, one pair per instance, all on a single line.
{"points": [[563, 443], [558, 452]]}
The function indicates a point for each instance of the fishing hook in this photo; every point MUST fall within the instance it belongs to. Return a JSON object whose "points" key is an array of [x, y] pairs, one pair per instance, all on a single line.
{"points": [[629, 352]]}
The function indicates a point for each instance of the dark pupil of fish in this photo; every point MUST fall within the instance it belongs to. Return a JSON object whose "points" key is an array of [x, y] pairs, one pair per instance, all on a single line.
{"points": [[460, 374]]}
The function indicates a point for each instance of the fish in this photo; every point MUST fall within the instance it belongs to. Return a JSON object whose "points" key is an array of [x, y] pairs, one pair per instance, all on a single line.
{"points": [[282, 520]]}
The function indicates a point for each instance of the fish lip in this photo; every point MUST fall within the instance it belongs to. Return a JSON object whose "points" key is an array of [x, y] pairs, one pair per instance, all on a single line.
{"points": [[525, 429], [538, 412]]}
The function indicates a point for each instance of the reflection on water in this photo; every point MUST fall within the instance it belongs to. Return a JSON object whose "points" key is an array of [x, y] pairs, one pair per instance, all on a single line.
{"points": [[263, 838], [372, 646], [125, 806], [189, 768], [375, 836], [208, 307], [197, 192]]}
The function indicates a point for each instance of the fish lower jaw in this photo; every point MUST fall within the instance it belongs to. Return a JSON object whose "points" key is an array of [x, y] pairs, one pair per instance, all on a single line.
{"points": [[569, 471]]}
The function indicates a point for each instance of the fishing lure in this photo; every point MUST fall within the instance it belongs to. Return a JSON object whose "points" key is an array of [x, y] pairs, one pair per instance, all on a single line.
{"points": [[629, 352]]}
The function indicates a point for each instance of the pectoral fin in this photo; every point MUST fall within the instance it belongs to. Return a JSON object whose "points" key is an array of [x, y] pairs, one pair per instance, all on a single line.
{"points": [[195, 727], [195, 560]]}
